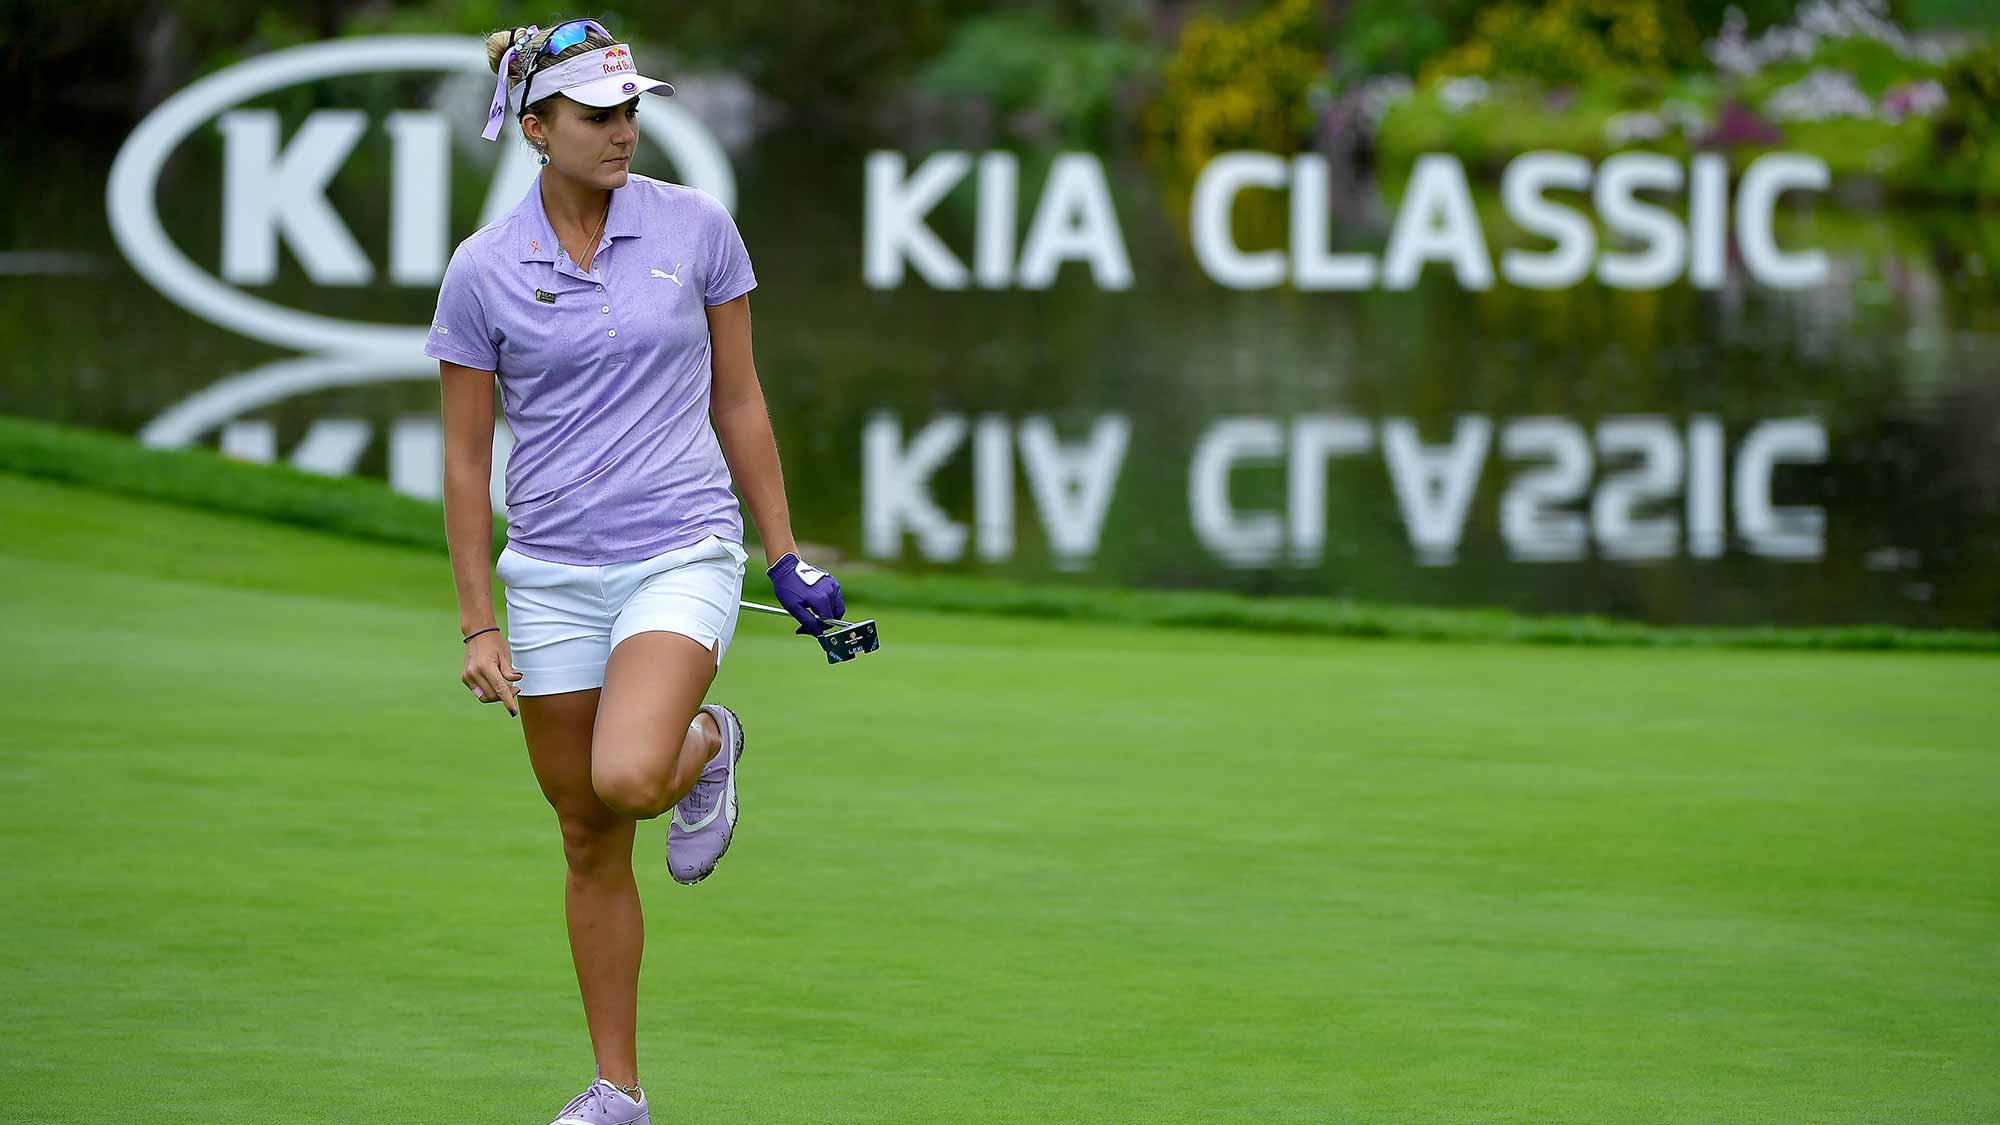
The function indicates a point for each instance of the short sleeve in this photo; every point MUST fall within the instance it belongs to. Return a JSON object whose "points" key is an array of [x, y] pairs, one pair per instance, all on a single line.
{"points": [[458, 330], [729, 273]]}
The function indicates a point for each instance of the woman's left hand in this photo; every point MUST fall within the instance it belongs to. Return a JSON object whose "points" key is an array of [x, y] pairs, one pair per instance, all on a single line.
{"points": [[807, 593]]}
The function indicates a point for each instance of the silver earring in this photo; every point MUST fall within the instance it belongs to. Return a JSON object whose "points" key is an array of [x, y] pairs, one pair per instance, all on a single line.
{"points": [[544, 157]]}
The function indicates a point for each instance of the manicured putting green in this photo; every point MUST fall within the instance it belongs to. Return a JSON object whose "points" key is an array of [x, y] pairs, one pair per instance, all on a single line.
{"points": [[265, 861]]}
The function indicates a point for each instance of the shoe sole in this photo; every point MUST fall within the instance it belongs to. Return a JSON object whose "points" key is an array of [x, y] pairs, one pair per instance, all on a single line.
{"points": [[737, 750]]}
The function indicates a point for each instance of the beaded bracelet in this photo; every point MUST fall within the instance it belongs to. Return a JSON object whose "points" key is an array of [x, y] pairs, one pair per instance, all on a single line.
{"points": [[488, 629]]}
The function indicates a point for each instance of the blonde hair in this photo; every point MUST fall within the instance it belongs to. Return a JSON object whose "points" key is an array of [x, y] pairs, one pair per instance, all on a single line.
{"points": [[531, 46]]}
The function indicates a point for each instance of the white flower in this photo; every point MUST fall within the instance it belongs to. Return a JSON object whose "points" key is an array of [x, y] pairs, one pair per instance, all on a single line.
{"points": [[1379, 93], [1816, 22], [1913, 99], [1625, 128], [1683, 115], [1819, 96], [1457, 93], [1729, 51]]}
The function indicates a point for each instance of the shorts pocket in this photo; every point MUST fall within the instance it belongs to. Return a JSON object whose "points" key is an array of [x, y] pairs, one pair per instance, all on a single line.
{"points": [[517, 571]]}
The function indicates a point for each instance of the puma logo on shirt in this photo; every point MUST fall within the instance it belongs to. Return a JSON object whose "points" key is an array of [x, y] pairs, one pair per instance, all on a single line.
{"points": [[673, 277]]}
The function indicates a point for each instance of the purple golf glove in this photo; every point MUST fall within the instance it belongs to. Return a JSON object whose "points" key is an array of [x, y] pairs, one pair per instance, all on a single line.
{"points": [[807, 593]]}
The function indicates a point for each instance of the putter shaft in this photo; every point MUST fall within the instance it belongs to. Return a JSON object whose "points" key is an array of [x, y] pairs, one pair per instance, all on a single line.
{"points": [[771, 609]]}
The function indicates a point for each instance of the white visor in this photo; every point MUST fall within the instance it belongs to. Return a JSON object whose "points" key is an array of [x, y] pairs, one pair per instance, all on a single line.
{"points": [[598, 78], [612, 89]]}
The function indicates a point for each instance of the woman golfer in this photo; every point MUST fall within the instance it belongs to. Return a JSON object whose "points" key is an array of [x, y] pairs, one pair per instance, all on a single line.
{"points": [[613, 310]]}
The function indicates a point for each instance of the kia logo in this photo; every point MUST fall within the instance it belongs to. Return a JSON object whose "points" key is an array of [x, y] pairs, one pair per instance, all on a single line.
{"points": [[274, 190]]}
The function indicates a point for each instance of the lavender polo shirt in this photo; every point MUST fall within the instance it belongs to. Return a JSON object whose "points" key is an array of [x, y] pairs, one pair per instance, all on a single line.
{"points": [[604, 376]]}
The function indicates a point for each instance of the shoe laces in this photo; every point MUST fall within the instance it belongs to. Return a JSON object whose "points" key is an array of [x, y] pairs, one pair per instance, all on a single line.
{"points": [[707, 790], [708, 786], [592, 1099]]}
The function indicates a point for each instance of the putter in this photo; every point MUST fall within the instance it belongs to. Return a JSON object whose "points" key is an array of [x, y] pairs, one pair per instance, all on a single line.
{"points": [[843, 640]]}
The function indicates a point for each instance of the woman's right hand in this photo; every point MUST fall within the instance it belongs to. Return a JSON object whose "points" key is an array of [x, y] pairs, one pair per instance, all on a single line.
{"points": [[489, 671]]}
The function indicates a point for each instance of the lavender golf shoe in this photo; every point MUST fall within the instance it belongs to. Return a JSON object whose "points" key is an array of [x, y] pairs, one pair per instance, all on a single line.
{"points": [[605, 1104], [705, 819]]}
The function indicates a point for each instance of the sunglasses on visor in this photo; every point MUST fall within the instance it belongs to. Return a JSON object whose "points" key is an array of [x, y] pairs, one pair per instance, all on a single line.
{"points": [[561, 39]]}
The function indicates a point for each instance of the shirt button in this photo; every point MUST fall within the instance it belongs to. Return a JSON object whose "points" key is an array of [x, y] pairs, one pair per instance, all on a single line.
{"points": [[600, 289], [607, 308], [613, 332]]}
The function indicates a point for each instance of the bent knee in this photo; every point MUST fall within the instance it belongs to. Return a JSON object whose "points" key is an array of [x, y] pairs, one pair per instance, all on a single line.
{"points": [[636, 795]]}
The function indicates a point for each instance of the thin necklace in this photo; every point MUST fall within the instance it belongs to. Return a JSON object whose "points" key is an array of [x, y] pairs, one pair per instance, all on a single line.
{"points": [[590, 247]]}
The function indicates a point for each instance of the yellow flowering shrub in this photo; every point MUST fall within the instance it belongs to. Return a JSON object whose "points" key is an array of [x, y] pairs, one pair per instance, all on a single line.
{"points": [[1569, 41], [1237, 85]]}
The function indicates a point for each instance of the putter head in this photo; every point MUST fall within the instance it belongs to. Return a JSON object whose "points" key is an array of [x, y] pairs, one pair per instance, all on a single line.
{"points": [[844, 640]]}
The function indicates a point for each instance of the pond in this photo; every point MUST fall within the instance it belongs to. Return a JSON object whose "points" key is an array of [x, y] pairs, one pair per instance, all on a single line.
{"points": [[1740, 454]]}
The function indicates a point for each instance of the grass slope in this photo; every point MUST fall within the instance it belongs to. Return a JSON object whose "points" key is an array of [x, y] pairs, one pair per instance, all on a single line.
{"points": [[267, 862], [364, 509]]}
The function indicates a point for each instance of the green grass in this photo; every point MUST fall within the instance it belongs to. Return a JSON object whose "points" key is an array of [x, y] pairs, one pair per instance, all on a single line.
{"points": [[267, 862], [364, 509]]}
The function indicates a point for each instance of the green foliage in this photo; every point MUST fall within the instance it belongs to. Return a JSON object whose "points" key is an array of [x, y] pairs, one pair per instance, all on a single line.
{"points": [[1562, 71], [1568, 41], [1875, 66], [1397, 36], [1238, 85], [1758, 14], [820, 60], [1965, 136], [1892, 155], [1023, 62], [1965, 14], [1487, 134], [1401, 36], [367, 510]]}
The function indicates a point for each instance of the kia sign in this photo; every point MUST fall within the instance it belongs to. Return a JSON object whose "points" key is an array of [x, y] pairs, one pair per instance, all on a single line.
{"points": [[272, 191], [1436, 223]]}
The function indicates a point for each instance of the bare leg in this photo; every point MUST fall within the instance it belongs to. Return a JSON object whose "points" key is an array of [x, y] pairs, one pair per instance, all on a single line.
{"points": [[571, 746], [607, 934], [651, 741], [607, 931]]}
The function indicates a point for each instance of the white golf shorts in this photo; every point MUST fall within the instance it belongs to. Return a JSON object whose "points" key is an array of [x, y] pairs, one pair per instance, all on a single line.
{"points": [[563, 620]]}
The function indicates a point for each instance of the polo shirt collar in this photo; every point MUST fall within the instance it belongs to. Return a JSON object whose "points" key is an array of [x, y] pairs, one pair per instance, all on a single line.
{"points": [[541, 244]]}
